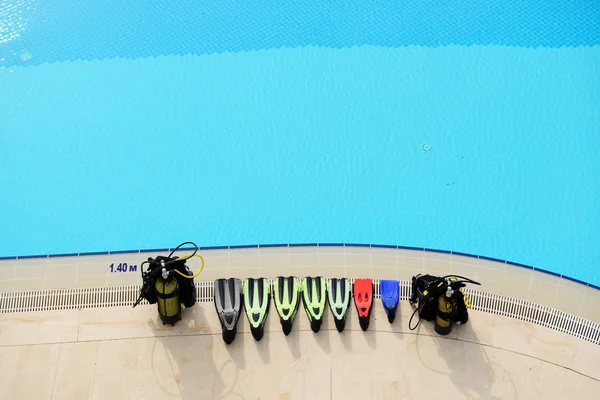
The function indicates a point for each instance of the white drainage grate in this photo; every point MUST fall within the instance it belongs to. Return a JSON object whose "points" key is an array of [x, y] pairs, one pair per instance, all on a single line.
{"points": [[68, 299], [125, 296], [535, 313]]}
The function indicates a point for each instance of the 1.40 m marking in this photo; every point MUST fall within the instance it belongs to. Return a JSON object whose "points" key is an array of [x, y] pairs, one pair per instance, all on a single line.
{"points": [[122, 267]]}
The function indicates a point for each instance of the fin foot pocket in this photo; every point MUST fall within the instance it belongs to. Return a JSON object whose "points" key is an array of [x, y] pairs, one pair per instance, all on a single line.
{"points": [[286, 326], [391, 315], [340, 325], [257, 334], [364, 323], [229, 336], [315, 325]]}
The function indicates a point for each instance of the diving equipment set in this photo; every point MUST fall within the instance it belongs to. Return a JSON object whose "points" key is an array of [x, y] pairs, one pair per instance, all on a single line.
{"points": [[441, 299], [169, 283]]}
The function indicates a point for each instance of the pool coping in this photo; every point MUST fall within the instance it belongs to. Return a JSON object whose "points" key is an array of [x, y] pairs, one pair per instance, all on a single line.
{"points": [[253, 246]]}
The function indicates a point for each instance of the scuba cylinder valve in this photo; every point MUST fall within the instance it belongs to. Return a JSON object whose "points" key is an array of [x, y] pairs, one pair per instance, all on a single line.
{"points": [[169, 283]]}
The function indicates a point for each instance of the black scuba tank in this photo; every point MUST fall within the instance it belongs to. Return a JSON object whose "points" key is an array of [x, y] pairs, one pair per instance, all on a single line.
{"points": [[187, 287], [423, 294]]}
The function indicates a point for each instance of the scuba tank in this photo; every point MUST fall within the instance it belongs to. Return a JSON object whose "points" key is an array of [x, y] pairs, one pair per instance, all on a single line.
{"points": [[185, 280], [422, 288], [167, 292], [446, 308], [169, 283]]}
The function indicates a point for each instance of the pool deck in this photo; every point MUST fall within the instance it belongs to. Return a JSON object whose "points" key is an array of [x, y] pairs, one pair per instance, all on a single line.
{"points": [[30, 274], [120, 352], [125, 353]]}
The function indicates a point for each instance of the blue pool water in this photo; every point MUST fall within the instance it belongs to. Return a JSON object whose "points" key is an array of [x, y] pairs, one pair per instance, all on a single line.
{"points": [[242, 122]]}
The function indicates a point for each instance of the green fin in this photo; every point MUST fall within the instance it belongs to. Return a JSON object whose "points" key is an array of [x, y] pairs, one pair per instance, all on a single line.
{"points": [[257, 296], [286, 293], [339, 295], [314, 294]]}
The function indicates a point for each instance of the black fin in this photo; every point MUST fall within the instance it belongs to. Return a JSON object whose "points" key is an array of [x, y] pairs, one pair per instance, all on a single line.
{"points": [[228, 303]]}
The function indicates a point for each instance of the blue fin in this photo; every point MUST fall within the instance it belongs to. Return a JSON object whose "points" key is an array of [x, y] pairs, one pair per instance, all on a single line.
{"points": [[390, 294]]}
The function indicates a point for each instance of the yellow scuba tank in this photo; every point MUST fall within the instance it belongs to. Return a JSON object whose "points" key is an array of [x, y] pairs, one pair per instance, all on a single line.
{"points": [[445, 313], [167, 293]]}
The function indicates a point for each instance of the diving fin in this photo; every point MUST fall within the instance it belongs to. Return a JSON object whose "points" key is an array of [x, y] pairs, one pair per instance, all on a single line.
{"points": [[257, 297], [228, 303], [363, 300], [340, 293], [390, 294], [286, 293], [314, 296]]}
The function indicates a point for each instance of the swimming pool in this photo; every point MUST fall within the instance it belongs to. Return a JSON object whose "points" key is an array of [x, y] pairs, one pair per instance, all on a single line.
{"points": [[470, 127]]}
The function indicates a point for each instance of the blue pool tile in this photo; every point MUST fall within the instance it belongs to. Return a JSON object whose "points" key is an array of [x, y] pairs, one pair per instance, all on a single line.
{"points": [[356, 245], [458, 253], [244, 246], [301, 244], [594, 286], [62, 255], [492, 259], [520, 265], [272, 245], [547, 272], [575, 280], [411, 248], [95, 253], [384, 246], [214, 248], [437, 251], [33, 256], [123, 251], [331, 244]]}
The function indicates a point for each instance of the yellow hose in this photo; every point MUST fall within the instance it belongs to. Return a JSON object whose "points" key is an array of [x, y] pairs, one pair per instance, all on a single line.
{"points": [[466, 298], [197, 273]]}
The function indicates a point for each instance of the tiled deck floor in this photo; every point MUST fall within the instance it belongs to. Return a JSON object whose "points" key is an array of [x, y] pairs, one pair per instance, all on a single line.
{"points": [[125, 353]]}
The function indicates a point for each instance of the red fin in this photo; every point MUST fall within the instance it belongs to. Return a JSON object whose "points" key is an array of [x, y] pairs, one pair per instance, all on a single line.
{"points": [[363, 296]]}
